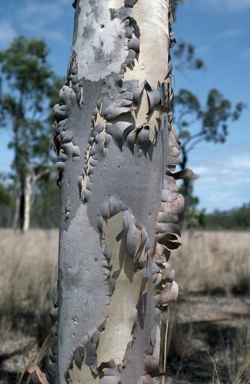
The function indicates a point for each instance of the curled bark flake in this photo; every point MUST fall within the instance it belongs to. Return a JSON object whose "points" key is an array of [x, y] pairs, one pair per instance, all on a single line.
{"points": [[172, 161], [74, 3], [183, 174], [175, 206], [165, 297], [164, 239], [154, 99], [79, 356], [113, 111], [172, 43], [138, 89], [115, 206], [36, 375], [119, 131], [70, 149], [130, 3], [134, 44], [174, 152], [66, 136], [170, 277], [151, 365], [132, 239], [173, 143], [164, 217], [169, 183], [60, 112]]}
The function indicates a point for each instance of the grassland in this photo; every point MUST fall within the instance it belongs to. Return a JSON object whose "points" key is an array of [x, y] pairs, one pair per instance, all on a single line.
{"points": [[209, 328], [28, 267], [209, 331]]}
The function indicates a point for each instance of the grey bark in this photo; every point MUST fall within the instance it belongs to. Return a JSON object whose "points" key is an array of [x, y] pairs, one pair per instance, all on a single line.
{"points": [[120, 209]]}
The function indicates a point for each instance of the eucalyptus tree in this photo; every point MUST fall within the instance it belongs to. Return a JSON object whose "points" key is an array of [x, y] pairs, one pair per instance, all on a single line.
{"points": [[196, 123], [120, 210], [27, 94]]}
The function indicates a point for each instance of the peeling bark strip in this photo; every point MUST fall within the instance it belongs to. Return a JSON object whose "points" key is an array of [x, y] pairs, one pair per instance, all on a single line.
{"points": [[120, 211]]}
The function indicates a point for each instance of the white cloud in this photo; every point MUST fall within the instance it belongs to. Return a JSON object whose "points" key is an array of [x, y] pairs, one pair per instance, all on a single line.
{"points": [[241, 162], [201, 170], [7, 34], [230, 33], [223, 179]]}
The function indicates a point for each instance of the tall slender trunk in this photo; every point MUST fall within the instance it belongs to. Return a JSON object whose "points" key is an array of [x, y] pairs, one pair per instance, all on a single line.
{"points": [[27, 203], [16, 219], [119, 209], [23, 201], [19, 180]]}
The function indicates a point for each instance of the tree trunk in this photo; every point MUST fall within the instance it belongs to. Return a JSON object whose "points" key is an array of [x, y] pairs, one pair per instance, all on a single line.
{"points": [[27, 203], [16, 220], [119, 211], [23, 204]]}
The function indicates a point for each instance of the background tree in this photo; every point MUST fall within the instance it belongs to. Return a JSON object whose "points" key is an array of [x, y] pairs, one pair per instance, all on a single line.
{"points": [[196, 124], [29, 88]]}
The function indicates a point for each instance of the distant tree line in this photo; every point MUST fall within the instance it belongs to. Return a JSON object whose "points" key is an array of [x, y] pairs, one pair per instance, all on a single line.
{"points": [[234, 219], [45, 210]]}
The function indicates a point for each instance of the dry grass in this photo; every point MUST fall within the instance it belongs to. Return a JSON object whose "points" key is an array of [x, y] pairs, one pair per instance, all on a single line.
{"points": [[210, 335], [208, 264], [214, 261], [28, 273], [28, 268]]}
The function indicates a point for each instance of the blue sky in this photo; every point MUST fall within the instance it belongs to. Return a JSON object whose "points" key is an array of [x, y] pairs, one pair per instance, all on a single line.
{"points": [[220, 31]]}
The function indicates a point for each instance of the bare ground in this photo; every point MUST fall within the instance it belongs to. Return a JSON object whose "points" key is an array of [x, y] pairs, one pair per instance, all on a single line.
{"points": [[209, 339]]}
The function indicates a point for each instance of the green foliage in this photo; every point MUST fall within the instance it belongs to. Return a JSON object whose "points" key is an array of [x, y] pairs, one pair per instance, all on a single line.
{"points": [[185, 55], [29, 90], [6, 203], [212, 119], [25, 67], [195, 218], [235, 219], [5, 196], [196, 124], [29, 85]]}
